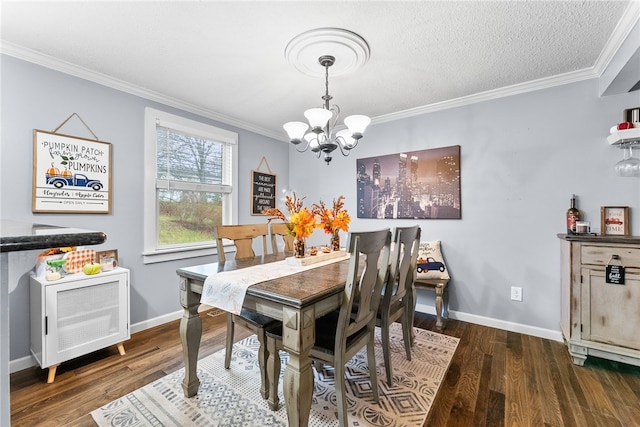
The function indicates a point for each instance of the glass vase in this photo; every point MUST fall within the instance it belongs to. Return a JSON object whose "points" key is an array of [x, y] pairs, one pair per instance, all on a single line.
{"points": [[335, 241], [299, 247]]}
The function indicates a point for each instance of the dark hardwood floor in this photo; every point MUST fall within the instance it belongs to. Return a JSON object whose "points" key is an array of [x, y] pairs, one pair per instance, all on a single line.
{"points": [[496, 378]]}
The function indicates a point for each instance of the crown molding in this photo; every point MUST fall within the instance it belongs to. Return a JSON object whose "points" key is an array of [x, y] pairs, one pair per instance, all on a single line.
{"points": [[534, 85], [617, 38], [56, 64], [630, 18]]}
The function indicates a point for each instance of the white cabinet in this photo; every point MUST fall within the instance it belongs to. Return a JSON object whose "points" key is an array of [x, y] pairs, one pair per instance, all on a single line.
{"points": [[78, 314], [598, 318]]}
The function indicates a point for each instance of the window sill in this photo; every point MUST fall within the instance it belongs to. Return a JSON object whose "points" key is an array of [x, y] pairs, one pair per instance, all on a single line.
{"points": [[173, 254]]}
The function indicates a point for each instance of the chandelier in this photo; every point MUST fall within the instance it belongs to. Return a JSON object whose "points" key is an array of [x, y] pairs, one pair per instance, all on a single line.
{"points": [[322, 138]]}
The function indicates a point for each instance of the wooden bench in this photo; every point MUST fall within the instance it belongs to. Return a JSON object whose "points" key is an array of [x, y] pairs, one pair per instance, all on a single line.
{"points": [[442, 294]]}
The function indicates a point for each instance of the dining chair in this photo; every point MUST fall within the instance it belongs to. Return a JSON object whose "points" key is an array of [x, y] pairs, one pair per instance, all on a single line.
{"points": [[341, 333], [280, 229], [397, 293], [242, 237]]}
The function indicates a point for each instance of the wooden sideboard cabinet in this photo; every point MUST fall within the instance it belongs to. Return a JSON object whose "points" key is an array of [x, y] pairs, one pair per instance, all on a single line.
{"points": [[78, 314], [598, 318]]}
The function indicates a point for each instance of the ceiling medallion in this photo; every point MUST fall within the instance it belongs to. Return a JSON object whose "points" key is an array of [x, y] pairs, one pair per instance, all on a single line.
{"points": [[350, 50]]}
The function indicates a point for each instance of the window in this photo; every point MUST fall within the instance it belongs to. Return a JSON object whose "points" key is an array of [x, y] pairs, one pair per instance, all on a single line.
{"points": [[190, 185]]}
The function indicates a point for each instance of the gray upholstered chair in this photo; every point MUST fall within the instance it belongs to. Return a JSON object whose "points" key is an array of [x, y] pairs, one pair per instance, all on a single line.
{"points": [[397, 293], [341, 334], [242, 237]]}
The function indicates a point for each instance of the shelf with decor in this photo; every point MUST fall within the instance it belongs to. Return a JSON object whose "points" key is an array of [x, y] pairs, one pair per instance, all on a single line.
{"points": [[625, 137]]}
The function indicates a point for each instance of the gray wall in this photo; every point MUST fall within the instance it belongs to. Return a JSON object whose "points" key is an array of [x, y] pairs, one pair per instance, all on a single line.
{"points": [[522, 158], [37, 97]]}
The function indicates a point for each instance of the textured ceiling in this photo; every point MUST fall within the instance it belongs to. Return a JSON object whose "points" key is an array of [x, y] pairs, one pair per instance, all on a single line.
{"points": [[226, 60]]}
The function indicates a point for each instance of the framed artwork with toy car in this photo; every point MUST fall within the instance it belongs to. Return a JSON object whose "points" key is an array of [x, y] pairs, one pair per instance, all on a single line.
{"points": [[70, 174], [614, 220]]}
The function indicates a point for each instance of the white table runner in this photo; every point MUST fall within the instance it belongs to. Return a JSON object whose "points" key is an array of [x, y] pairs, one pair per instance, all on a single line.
{"points": [[226, 290]]}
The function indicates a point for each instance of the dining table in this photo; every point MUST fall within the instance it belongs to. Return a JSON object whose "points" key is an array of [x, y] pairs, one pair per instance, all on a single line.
{"points": [[297, 300]]}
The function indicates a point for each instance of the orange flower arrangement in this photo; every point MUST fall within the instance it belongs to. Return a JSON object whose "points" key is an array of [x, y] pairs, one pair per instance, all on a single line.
{"points": [[301, 221], [333, 220]]}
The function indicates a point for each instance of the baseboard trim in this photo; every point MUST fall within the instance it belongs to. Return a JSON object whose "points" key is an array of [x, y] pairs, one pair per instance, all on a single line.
{"points": [[496, 323], [22, 363], [29, 361], [156, 321]]}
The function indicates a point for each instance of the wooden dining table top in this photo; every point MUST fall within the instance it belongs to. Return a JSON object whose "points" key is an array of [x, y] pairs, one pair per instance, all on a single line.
{"points": [[297, 290]]}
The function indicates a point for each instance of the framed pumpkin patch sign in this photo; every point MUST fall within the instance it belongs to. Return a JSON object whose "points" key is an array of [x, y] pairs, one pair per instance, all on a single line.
{"points": [[70, 174]]}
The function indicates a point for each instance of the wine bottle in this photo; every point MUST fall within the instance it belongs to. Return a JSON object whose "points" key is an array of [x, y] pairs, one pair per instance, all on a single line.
{"points": [[573, 216]]}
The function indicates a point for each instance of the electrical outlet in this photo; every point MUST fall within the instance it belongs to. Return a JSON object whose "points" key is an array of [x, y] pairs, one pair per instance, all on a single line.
{"points": [[516, 293]]}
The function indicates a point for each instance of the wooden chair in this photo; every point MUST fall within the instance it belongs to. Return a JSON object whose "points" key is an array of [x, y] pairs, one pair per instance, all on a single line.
{"points": [[397, 294], [341, 333], [280, 229], [242, 237]]}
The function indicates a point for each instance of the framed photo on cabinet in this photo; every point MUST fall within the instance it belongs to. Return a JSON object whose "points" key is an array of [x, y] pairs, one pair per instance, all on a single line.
{"points": [[614, 220], [107, 259]]}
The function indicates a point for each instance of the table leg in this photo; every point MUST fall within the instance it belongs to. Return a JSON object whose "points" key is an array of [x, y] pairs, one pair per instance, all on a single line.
{"points": [[190, 335], [439, 289], [298, 338]]}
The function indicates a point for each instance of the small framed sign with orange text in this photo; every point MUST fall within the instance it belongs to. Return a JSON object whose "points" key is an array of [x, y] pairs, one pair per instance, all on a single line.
{"points": [[614, 220]]}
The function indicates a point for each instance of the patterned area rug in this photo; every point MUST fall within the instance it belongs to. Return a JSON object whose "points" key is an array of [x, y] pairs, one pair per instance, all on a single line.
{"points": [[232, 397]]}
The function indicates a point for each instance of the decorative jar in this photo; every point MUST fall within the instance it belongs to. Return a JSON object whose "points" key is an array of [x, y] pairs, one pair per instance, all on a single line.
{"points": [[335, 241], [299, 247]]}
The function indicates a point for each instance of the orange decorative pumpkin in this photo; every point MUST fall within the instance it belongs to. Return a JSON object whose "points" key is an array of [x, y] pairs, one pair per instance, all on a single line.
{"points": [[53, 171]]}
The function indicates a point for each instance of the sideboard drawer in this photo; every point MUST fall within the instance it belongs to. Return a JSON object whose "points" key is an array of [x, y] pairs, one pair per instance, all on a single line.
{"points": [[601, 255]]}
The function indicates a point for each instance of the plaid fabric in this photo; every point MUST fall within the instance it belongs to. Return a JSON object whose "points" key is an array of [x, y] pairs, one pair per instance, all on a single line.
{"points": [[77, 259]]}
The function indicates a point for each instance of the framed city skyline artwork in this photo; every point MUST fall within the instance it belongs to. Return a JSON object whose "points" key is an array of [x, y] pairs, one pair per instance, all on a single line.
{"points": [[421, 184]]}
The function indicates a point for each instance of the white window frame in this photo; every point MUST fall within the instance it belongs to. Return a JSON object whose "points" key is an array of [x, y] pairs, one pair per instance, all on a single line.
{"points": [[152, 251]]}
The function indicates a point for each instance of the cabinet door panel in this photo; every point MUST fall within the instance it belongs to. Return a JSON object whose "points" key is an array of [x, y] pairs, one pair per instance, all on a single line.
{"points": [[86, 315], [613, 314]]}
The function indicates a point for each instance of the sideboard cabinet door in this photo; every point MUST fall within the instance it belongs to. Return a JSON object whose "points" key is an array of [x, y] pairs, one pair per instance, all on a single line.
{"points": [[611, 313], [598, 318]]}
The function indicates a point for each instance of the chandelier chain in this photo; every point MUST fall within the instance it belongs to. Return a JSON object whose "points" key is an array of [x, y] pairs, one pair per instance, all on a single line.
{"points": [[326, 97]]}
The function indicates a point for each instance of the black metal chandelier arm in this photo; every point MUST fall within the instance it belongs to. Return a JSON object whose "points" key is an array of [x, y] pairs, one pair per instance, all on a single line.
{"points": [[336, 113], [305, 144], [345, 148]]}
